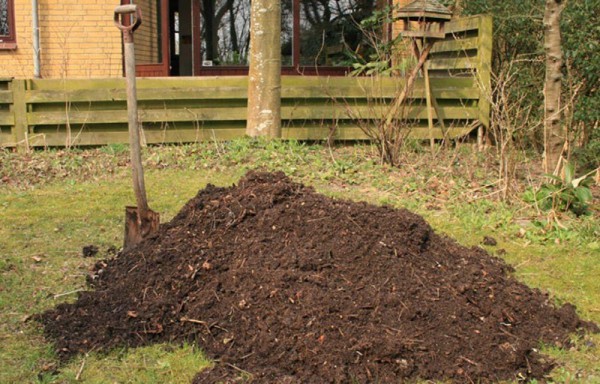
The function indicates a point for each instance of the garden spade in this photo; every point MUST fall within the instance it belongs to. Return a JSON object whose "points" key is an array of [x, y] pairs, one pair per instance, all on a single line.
{"points": [[140, 221]]}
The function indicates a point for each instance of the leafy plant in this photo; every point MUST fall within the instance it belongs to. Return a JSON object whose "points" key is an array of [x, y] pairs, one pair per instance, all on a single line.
{"points": [[566, 194]]}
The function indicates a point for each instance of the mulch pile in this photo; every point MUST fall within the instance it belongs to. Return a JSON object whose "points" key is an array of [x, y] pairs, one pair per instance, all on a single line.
{"points": [[271, 278]]}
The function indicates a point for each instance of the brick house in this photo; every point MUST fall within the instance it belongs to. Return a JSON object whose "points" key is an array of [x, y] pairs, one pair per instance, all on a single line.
{"points": [[178, 37]]}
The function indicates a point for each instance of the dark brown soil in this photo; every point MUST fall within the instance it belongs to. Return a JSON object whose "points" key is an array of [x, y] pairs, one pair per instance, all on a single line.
{"points": [[274, 279]]}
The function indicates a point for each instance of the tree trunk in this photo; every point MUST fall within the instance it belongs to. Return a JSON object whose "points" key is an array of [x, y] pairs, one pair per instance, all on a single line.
{"points": [[555, 134], [264, 80], [209, 28]]}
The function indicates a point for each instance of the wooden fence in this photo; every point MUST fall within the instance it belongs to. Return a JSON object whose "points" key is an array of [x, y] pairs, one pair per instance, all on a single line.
{"points": [[65, 112]]}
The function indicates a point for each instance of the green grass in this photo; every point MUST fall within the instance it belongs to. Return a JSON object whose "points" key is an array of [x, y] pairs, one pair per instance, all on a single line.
{"points": [[46, 220], [154, 364]]}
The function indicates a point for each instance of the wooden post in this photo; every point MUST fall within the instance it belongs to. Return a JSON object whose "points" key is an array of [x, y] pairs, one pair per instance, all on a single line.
{"points": [[429, 109], [19, 107], [484, 53], [391, 114]]}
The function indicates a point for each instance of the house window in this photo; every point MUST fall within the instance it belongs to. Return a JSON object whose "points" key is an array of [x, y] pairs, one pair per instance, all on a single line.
{"points": [[226, 32], [330, 30], [7, 25], [313, 32]]}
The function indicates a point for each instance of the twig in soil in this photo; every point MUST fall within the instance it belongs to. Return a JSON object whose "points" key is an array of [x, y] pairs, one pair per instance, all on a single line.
{"points": [[80, 371], [488, 195], [185, 319], [318, 218], [239, 369], [188, 320], [246, 356], [133, 268], [354, 222], [469, 361], [215, 325], [67, 293], [509, 334]]}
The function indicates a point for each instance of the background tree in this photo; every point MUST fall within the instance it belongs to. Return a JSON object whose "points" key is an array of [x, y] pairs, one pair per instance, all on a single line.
{"points": [[225, 31], [555, 135], [518, 53], [264, 78]]}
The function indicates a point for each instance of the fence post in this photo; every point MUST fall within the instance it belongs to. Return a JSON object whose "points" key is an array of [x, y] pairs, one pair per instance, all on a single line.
{"points": [[20, 129], [484, 73]]}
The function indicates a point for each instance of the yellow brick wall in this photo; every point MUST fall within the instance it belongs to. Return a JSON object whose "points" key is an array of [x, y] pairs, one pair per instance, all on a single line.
{"points": [[77, 37], [19, 62]]}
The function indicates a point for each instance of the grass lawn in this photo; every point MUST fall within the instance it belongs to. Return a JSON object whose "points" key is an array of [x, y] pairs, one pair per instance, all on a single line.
{"points": [[53, 203]]}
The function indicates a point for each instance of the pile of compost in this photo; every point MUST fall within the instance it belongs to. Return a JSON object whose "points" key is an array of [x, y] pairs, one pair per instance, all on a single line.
{"points": [[274, 280]]}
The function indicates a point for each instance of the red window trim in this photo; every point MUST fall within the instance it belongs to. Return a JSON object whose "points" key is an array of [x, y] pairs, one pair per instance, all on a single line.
{"points": [[9, 41]]}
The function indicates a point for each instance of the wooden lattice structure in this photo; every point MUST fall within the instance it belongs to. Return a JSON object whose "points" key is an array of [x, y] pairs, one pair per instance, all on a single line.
{"points": [[59, 112]]}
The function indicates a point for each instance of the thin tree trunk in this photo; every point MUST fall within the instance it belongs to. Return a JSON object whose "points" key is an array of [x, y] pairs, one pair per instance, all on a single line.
{"points": [[209, 28], [555, 134], [264, 80]]}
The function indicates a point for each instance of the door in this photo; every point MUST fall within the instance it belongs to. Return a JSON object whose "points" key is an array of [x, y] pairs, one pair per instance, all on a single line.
{"points": [[180, 38], [152, 39]]}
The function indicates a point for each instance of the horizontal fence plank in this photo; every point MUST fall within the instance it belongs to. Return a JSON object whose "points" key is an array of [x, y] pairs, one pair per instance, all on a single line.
{"points": [[142, 83], [377, 112], [6, 97], [463, 24], [355, 132], [114, 94], [53, 139], [456, 45], [316, 88], [329, 111], [454, 63], [7, 118], [6, 138], [307, 132]]}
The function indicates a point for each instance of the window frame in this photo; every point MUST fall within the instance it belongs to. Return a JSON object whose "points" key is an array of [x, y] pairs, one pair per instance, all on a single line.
{"points": [[295, 69], [9, 42]]}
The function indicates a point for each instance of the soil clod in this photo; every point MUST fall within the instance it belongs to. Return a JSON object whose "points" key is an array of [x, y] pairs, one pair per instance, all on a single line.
{"points": [[89, 251], [277, 282], [490, 241]]}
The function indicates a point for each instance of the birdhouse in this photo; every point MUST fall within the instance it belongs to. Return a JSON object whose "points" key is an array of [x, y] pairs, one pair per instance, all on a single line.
{"points": [[424, 19]]}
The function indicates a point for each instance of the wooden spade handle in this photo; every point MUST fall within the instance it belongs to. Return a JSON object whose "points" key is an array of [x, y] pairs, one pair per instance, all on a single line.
{"points": [[128, 10]]}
